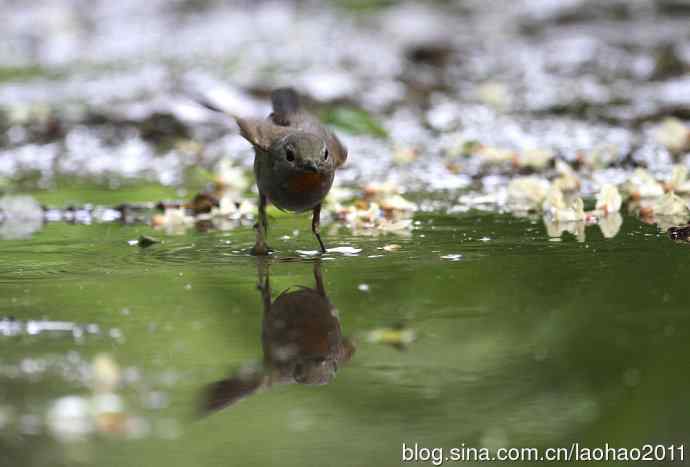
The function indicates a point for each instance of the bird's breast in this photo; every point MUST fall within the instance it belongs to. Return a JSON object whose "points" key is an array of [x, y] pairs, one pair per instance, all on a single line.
{"points": [[305, 183]]}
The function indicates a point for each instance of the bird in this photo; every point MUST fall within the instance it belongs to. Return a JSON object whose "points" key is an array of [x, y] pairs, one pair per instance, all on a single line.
{"points": [[302, 343], [295, 160]]}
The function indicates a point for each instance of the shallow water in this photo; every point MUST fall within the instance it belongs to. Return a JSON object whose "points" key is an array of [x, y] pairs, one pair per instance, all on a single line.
{"points": [[478, 328], [521, 341]]}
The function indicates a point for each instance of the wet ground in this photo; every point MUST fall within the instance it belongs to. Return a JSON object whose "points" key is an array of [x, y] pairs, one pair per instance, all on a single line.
{"points": [[500, 272]]}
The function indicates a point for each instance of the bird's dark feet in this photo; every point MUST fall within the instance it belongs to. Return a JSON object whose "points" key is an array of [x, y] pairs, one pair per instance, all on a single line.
{"points": [[316, 226], [322, 247]]}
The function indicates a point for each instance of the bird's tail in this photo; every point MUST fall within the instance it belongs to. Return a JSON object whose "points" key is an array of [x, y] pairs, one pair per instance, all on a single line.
{"points": [[285, 102]]}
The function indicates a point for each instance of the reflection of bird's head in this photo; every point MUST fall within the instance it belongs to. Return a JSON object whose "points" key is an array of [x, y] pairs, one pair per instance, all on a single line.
{"points": [[315, 371]]}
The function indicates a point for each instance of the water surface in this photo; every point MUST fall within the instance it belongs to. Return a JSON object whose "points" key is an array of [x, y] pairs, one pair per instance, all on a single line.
{"points": [[520, 341]]}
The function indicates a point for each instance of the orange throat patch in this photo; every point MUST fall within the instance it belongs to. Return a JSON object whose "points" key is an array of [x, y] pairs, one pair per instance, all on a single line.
{"points": [[305, 183]]}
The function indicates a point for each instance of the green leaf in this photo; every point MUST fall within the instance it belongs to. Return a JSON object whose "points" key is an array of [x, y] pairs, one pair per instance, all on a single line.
{"points": [[355, 121]]}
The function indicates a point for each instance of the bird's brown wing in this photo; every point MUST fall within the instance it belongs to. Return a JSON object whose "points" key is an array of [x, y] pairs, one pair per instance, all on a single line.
{"points": [[261, 133], [337, 148]]}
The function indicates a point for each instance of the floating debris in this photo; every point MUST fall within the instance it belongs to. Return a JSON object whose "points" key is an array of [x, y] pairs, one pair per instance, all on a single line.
{"points": [[381, 210], [610, 224], [346, 250], [307, 252], [567, 181], [12, 327], [398, 336], [679, 233], [173, 221], [453, 257], [558, 209], [391, 247], [527, 193], [144, 241], [671, 205], [609, 199], [555, 229]]}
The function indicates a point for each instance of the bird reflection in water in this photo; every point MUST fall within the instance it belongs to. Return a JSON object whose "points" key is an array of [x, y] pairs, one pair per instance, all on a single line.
{"points": [[301, 338]]}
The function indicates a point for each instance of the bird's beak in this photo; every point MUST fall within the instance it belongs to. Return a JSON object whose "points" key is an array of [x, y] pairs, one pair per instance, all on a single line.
{"points": [[310, 167]]}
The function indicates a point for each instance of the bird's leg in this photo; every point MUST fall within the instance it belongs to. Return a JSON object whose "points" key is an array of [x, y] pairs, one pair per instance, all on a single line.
{"points": [[318, 278], [261, 227], [315, 226], [264, 285]]}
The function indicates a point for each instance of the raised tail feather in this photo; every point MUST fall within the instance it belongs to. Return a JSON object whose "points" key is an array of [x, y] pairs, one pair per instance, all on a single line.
{"points": [[226, 392], [285, 102]]}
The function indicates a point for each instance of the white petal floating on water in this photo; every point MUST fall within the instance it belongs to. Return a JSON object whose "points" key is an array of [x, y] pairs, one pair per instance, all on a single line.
{"points": [[173, 220], [671, 205], [527, 193], [307, 252], [558, 209], [346, 250], [568, 180], [555, 229], [611, 224], [609, 199], [392, 336], [452, 257]]}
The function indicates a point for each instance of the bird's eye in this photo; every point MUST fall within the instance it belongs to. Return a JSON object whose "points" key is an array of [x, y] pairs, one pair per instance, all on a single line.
{"points": [[325, 155], [290, 153]]}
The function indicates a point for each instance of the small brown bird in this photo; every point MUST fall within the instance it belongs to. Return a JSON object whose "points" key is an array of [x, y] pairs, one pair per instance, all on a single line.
{"points": [[302, 343], [295, 161]]}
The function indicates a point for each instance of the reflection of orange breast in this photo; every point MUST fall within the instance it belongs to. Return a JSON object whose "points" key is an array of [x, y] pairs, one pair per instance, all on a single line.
{"points": [[305, 183]]}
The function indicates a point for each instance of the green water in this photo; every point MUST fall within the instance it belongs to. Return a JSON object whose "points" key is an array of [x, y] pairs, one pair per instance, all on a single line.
{"points": [[521, 342]]}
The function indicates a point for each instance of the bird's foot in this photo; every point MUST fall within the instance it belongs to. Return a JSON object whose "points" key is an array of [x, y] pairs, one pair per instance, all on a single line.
{"points": [[322, 247]]}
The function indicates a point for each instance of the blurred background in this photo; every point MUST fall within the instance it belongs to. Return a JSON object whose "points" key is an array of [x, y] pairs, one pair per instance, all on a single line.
{"points": [[99, 90], [473, 321]]}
